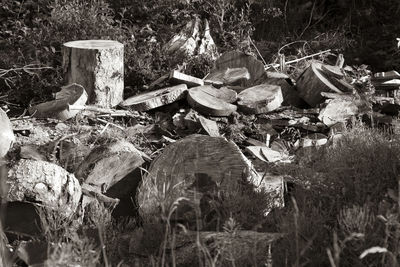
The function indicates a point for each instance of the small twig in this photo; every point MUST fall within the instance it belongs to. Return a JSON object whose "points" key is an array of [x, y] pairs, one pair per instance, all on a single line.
{"points": [[258, 52], [297, 60], [110, 123]]}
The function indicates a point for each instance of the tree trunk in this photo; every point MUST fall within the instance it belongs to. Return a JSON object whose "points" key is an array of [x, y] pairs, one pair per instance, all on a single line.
{"points": [[97, 65]]}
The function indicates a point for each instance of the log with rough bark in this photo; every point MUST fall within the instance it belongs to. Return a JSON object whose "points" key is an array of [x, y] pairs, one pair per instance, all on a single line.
{"points": [[7, 137], [312, 82], [207, 101], [155, 99], [260, 99], [97, 65]]}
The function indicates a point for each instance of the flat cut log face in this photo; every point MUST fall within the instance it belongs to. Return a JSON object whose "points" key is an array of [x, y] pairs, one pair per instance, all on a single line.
{"points": [[97, 65], [196, 163], [202, 101], [260, 99], [155, 99]]}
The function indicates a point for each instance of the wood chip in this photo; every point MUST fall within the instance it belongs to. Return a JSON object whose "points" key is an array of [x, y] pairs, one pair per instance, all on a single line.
{"points": [[209, 126]]}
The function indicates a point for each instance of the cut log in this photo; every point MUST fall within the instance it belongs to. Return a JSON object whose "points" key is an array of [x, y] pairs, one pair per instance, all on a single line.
{"points": [[7, 137], [312, 82], [97, 65], [43, 182], [224, 93], [180, 78], [235, 59], [209, 126], [106, 165], [338, 110], [196, 163], [228, 76], [260, 99], [333, 71], [73, 94], [156, 98], [201, 100]]}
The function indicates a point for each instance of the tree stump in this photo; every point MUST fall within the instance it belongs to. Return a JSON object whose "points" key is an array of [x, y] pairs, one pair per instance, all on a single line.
{"points": [[97, 65]]}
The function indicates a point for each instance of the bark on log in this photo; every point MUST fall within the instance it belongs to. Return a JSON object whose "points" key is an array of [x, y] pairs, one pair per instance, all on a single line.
{"points": [[312, 82], [97, 65]]}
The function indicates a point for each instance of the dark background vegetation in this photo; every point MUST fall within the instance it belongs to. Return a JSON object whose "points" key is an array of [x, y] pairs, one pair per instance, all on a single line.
{"points": [[32, 32]]}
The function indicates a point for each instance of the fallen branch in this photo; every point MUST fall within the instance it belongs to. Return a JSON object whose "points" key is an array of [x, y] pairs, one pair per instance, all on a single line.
{"points": [[110, 112], [275, 65]]}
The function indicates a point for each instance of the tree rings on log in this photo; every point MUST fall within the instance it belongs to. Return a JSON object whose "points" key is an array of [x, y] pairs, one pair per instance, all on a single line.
{"points": [[196, 163], [73, 94], [260, 99], [97, 65], [210, 101], [228, 76], [156, 98], [312, 82], [235, 59]]}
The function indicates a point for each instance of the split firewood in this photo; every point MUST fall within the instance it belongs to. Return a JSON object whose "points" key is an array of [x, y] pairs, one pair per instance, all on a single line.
{"points": [[267, 154], [338, 96], [314, 140], [7, 137], [94, 192], [201, 100], [209, 126], [312, 82], [73, 94], [182, 78], [228, 76], [97, 65], [155, 99], [260, 99]]}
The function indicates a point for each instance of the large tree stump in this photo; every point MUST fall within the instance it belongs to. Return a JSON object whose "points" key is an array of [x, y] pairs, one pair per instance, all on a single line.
{"points": [[97, 65]]}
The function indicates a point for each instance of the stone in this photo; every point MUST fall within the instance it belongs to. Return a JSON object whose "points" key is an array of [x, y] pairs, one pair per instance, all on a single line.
{"points": [[314, 140], [260, 99], [7, 137], [106, 165], [73, 94], [98, 66], [155, 99], [44, 183]]}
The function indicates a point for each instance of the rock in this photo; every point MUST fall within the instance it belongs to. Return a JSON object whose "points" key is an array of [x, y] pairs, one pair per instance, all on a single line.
{"points": [[181, 78], [260, 99], [108, 164], [44, 183], [73, 94], [197, 163], [312, 82], [228, 76], [338, 110], [155, 99], [7, 137], [200, 100], [209, 126], [235, 59], [97, 65]]}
